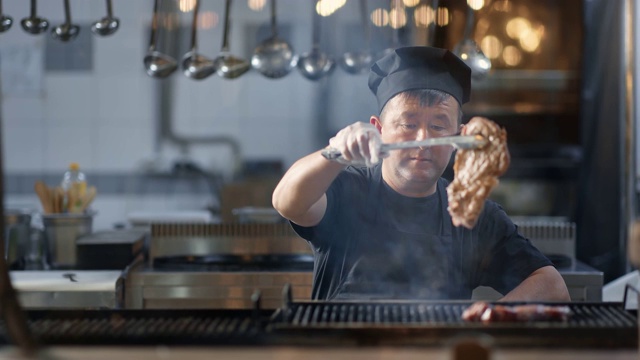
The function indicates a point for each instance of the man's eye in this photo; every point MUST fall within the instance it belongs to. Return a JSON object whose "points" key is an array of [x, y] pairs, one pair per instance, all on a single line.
{"points": [[408, 126], [437, 128]]}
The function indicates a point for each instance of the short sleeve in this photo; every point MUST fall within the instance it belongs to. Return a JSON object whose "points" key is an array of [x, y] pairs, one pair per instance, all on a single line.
{"points": [[509, 258]]}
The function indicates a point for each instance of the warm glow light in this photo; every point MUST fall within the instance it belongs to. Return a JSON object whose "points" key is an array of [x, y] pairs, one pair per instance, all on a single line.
{"points": [[476, 4], [411, 3], [207, 19], [530, 41], [491, 46], [256, 5], [328, 7], [397, 18], [517, 27], [482, 27], [424, 16], [186, 5], [380, 17], [442, 17], [502, 5], [511, 55]]}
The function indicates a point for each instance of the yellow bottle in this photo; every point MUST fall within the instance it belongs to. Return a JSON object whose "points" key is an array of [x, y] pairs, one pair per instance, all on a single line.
{"points": [[74, 185]]}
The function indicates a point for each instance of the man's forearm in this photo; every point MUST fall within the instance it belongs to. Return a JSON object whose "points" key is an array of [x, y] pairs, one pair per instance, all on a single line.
{"points": [[304, 185], [544, 284]]}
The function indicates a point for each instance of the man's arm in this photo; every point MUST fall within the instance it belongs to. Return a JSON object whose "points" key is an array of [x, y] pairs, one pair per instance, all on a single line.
{"points": [[544, 284], [300, 195]]}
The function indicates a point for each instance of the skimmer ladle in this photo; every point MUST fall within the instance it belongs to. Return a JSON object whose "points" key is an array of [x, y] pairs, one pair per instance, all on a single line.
{"points": [[5, 20], [158, 65], [33, 24], [194, 65], [316, 63], [470, 53], [274, 58], [356, 62], [227, 65], [108, 24], [66, 31]]}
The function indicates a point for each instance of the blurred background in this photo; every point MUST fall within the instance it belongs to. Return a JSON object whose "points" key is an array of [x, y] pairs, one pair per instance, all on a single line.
{"points": [[173, 146]]}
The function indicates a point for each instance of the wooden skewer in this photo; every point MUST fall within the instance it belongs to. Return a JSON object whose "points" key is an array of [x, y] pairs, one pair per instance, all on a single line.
{"points": [[44, 195]]}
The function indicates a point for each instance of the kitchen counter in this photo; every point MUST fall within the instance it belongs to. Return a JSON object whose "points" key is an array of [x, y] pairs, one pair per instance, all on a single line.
{"points": [[67, 289], [310, 353]]}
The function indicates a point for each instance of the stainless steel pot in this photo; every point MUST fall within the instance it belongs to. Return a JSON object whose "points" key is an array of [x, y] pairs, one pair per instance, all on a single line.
{"points": [[61, 232]]}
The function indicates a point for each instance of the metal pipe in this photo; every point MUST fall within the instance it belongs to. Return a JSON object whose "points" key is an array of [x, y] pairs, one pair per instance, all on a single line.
{"points": [[164, 110]]}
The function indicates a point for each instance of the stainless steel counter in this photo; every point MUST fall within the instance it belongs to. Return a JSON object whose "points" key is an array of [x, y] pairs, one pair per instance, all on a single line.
{"points": [[68, 289]]}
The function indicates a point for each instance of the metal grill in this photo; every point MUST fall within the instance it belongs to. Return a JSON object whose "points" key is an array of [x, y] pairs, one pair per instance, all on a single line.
{"points": [[144, 327], [345, 315], [597, 325]]}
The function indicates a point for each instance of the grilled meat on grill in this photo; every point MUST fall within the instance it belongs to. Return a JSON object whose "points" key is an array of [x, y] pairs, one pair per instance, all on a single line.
{"points": [[476, 171], [487, 313]]}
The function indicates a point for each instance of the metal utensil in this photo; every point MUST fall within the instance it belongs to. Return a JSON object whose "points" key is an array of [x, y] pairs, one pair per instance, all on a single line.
{"points": [[5, 20], [194, 65], [316, 63], [356, 62], [66, 31], [33, 24], [108, 24], [274, 57], [470, 53], [158, 65], [459, 142], [227, 65]]}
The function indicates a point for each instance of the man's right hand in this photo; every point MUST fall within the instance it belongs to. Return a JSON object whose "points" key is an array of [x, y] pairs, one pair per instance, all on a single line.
{"points": [[359, 144]]}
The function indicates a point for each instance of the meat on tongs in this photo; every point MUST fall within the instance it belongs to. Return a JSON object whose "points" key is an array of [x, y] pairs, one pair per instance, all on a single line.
{"points": [[476, 171], [487, 313]]}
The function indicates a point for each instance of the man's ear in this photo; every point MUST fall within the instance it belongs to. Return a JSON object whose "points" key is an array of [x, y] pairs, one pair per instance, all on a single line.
{"points": [[375, 121]]}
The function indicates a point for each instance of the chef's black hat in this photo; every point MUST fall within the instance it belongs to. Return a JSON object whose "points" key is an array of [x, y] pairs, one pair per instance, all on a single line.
{"points": [[419, 67]]}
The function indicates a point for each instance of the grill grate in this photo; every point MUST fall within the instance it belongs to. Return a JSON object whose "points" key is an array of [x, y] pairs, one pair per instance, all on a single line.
{"points": [[596, 315], [597, 325], [144, 327]]}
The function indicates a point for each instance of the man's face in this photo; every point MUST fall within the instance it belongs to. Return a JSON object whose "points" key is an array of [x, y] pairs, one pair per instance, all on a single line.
{"points": [[404, 119]]}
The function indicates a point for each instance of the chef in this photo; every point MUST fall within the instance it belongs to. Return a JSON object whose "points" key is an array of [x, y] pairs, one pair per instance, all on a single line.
{"points": [[378, 223]]}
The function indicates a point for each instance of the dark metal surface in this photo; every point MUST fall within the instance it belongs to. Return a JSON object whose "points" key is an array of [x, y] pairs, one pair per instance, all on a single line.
{"points": [[148, 327], [593, 325], [431, 323]]}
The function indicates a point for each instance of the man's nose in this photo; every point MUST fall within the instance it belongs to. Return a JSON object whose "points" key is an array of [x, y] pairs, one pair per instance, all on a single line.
{"points": [[422, 134]]}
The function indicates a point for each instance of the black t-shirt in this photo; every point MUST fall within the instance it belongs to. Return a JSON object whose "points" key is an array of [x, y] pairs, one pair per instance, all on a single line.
{"points": [[374, 243]]}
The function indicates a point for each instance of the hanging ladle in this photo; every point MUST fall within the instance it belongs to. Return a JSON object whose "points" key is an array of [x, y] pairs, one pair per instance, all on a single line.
{"points": [[66, 31], [315, 64], [194, 65], [5, 20], [356, 62], [34, 24], [274, 58], [470, 53], [229, 66], [107, 25], [158, 65]]}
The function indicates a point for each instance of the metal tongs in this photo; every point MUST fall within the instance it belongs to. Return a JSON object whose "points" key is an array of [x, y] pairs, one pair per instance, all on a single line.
{"points": [[459, 142]]}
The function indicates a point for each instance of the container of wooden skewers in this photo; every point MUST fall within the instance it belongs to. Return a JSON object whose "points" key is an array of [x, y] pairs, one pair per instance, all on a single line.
{"points": [[66, 217]]}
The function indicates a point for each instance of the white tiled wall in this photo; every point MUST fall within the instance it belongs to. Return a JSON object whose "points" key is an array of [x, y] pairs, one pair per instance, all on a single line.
{"points": [[105, 119]]}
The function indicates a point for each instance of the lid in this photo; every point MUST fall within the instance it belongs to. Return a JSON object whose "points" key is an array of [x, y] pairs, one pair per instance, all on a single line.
{"points": [[74, 166]]}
